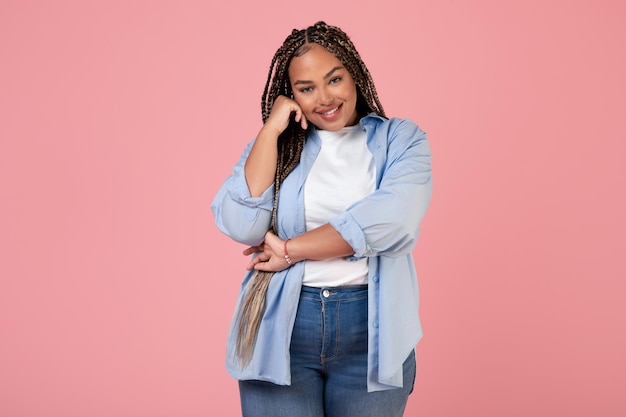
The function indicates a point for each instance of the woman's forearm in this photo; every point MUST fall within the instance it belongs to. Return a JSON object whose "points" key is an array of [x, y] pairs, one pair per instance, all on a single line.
{"points": [[275, 254], [324, 242], [260, 167]]}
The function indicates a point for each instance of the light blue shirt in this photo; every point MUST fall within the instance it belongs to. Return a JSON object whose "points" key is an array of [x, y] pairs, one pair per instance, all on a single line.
{"points": [[383, 226]]}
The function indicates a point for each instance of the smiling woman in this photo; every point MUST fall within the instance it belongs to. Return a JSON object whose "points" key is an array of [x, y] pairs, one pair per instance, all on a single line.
{"points": [[327, 97], [327, 322]]}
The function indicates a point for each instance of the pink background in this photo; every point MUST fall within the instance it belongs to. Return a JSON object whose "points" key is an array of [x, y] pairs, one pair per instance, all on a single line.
{"points": [[119, 120]]}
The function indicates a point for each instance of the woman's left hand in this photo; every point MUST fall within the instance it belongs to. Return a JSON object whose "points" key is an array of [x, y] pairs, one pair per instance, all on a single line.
{"points": [[270, 256]]}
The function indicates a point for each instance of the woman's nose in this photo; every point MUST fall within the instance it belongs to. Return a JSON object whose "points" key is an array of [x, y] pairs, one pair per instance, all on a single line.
{"points": [[324, 97]]}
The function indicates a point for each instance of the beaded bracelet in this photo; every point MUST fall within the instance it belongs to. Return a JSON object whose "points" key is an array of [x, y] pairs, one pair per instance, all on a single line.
{"points": [[287, 258]]}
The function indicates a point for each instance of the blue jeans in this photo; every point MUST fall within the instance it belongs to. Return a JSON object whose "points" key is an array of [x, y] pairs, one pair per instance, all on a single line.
{"points": [[328, 364]]}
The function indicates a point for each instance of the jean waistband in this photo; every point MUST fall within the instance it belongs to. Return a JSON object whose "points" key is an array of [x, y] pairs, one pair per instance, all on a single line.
{"points": [[334, 293]]}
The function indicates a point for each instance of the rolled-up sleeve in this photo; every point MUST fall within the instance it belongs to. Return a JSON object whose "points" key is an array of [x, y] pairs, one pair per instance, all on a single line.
{"points": [[386, 222], [240, 216]]}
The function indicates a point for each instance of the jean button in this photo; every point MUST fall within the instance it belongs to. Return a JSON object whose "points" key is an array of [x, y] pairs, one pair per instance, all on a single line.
{"points": [[325, 293]]}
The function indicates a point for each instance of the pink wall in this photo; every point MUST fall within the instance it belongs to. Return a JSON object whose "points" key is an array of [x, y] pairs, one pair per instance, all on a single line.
{"points": [[119, 120]]}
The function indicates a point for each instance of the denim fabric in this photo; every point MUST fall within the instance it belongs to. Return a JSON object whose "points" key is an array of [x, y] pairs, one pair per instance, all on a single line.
{"points": [[328, 364]]}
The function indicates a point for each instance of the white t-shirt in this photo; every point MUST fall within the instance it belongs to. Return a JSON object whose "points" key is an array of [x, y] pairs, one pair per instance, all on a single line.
{"points": [[344, 172]]}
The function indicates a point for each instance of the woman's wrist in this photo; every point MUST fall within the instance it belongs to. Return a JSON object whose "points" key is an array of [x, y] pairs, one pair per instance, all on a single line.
{"points": [[269, 131], [286, 253], [292, 251]]}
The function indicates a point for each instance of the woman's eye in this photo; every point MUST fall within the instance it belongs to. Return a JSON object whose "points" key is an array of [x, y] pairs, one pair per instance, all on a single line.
{"points": [[335, 80], [306, 90]]}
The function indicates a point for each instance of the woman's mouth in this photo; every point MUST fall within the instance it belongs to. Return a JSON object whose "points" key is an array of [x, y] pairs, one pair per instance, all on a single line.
{"points": [[331, 114]]}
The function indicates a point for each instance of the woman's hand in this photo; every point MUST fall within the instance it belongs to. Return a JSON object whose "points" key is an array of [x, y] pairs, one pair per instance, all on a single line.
{"points": [[270, 256], [281, 112]]}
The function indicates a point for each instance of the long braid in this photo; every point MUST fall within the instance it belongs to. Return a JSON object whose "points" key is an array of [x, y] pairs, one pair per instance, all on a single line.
{"points": [[291, 143]]}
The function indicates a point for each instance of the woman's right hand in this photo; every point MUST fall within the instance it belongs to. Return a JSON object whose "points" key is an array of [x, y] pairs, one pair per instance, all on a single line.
{"points": [[281, 113]]}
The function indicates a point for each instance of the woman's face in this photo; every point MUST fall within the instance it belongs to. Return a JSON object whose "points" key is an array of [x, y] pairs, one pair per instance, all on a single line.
{"points": [[324, 89]]}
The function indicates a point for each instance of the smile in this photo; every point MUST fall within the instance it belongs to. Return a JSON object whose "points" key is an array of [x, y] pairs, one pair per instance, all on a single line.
{"points": [[330, 112]]}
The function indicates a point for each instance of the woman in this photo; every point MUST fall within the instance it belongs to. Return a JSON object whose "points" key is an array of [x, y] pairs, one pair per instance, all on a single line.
{"points": [[328, 197]]}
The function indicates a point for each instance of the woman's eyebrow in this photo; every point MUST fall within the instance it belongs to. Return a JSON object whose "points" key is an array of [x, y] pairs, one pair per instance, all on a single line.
{"points": [[328, 74]]}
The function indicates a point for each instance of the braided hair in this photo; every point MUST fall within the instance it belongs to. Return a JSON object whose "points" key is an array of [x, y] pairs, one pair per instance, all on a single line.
{"points": [[291, 142]]}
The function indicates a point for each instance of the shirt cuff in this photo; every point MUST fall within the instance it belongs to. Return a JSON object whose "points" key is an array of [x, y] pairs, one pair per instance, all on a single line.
{"points": [[241, 194], [352, 233]]}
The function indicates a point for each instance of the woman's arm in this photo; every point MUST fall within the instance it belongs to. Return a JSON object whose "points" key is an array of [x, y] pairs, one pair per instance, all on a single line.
{"points": [[323, 242], [260, 167], [243, 205], [386, 222]]}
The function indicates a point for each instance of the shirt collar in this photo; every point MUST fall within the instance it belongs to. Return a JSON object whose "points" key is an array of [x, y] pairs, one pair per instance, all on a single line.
{"points": [[370, 119]]}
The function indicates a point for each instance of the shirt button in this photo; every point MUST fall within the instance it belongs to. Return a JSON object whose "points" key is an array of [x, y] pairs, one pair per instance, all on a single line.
{"points": [[376, 278], [325, 293], [375, 325]]}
